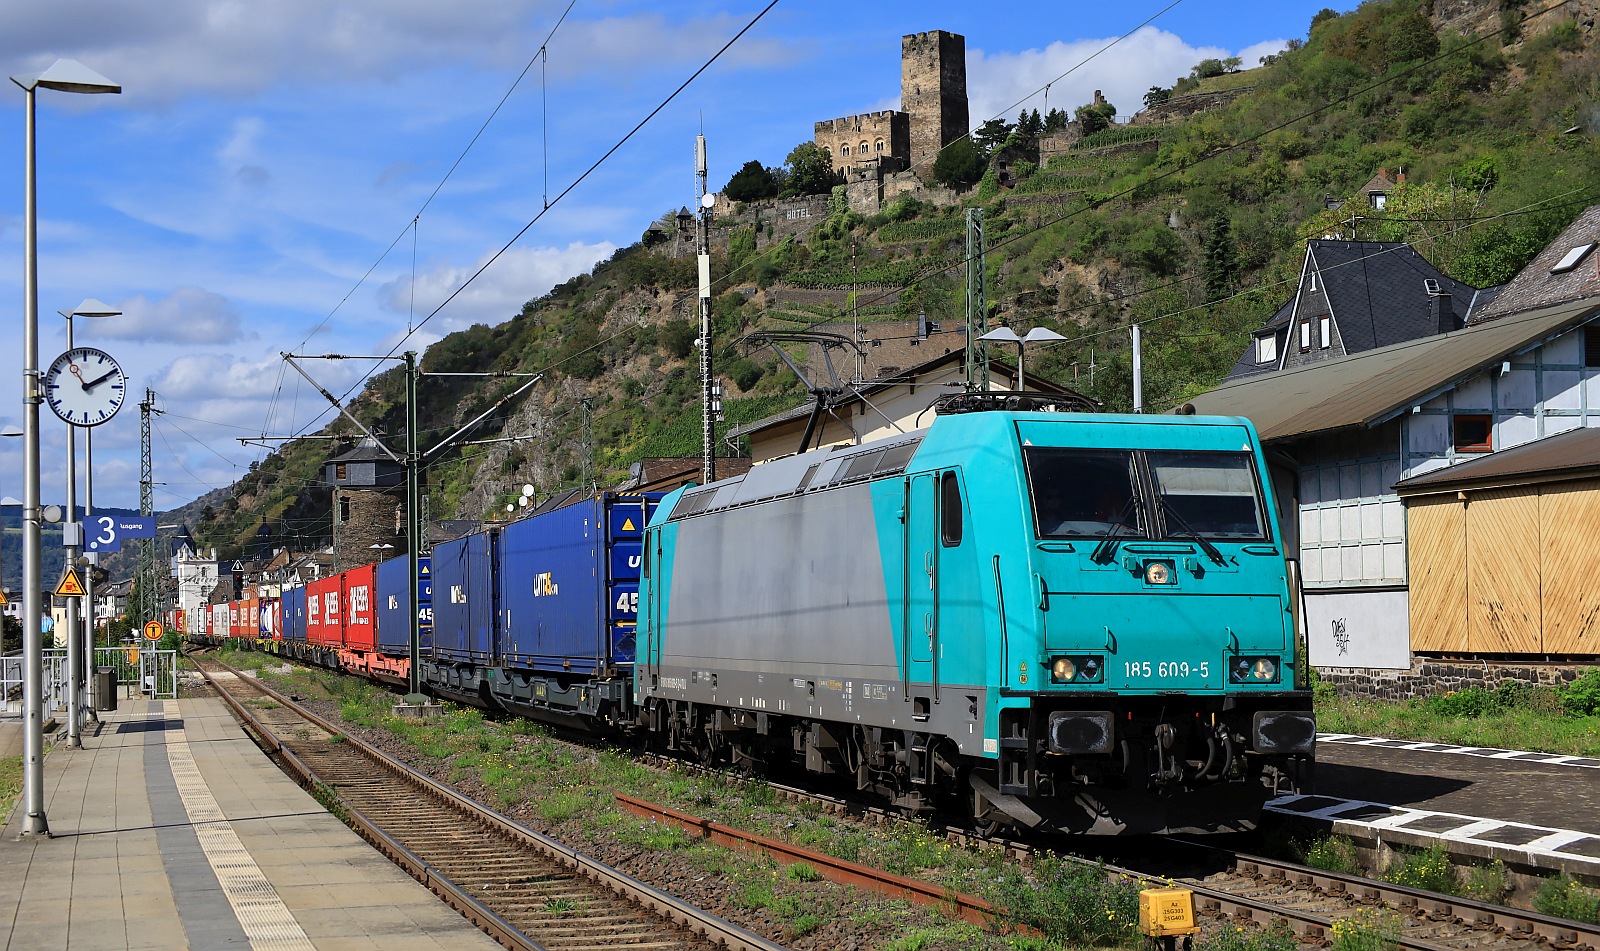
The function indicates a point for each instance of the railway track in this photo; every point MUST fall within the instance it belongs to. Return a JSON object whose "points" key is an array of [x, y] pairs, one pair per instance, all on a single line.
{"points": [[525, 890], [1248, 888]]}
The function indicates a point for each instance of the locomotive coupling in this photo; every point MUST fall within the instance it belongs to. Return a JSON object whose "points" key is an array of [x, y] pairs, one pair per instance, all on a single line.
{"points": [[1283, 732]]}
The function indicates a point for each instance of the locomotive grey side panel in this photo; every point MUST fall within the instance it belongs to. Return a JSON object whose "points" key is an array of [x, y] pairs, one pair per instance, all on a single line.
{"points": [[792, 587]]}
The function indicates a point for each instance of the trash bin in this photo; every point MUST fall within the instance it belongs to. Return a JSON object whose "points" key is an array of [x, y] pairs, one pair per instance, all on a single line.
{"points": [[105, 689]]}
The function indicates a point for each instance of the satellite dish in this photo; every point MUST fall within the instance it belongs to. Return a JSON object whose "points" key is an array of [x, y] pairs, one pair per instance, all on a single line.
{"points": [[510, 507], [527, 491], [522, 502], [707, 200], [52, 513]]}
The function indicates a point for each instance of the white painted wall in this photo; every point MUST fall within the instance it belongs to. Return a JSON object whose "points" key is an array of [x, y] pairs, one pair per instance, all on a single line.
{"points": [[1359, 628]]}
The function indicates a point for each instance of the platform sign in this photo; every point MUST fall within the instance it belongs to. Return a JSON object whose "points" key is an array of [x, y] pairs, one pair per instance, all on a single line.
{"points": [[153, 631]]}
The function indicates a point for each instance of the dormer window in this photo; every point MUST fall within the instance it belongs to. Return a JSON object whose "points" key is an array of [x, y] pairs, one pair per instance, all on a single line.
{"points": [[1267, 349], [1378, 200]]}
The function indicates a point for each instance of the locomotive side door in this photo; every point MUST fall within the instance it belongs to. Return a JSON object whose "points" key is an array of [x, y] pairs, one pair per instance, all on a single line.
{"points": [[920, 631]]}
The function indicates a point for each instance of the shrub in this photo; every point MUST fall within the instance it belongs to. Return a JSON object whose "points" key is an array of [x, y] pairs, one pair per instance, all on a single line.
{"points": [[1565, 898], [1278, 937], [1335, 853], [1071, 903], [1581, 698], [1429, 870], [1370, 930], [1486, 882]]}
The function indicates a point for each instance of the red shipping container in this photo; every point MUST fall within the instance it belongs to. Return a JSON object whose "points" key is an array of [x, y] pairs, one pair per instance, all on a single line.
{"points": [[250, 617], [324, 624], [234, 628], [360, 634]]}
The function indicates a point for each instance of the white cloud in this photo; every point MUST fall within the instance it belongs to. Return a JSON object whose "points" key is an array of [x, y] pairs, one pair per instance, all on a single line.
{"points": [[166, 50], [1252, 55], [191, 315], [1149, 57], [516, 277]]}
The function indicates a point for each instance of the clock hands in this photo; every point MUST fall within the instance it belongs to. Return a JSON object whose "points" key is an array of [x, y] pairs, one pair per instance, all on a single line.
{"points": [[98, 380], [73, 367]]}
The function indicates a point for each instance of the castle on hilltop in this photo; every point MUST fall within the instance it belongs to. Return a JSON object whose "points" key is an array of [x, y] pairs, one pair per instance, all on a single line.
{"points": [[880, 155]]}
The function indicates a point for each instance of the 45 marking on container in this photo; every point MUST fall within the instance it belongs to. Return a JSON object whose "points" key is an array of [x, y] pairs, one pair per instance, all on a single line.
{"points": [[627, 602]]}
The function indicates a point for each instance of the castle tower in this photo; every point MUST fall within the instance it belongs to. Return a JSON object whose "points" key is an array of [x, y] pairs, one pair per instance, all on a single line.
{"points": [[933, 92]]}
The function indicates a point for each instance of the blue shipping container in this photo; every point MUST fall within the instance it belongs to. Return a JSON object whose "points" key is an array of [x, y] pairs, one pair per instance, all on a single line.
{"points": [[569, 586], [294, 614], [394, 601], [463, 615]]}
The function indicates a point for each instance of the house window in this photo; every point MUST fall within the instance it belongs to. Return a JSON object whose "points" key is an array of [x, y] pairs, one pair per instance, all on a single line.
{"points": [[1311, 280], [844, 150], [344, 510], [1379, 199], [1473, 432], [1324, 331], [1305, 335], [1267, 349], [341, 472], [863, 150], [877, 146], [1591, 346]]}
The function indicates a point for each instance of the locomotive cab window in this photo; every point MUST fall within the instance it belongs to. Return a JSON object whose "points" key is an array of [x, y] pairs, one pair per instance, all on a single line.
{"points": [[949, 510], [1212, 494], [1083, 493]]}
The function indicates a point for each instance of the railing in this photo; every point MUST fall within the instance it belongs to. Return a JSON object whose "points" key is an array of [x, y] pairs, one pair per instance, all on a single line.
{"points": [[152, 673]]}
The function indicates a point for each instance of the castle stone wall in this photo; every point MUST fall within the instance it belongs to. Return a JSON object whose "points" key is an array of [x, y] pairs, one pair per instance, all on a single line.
{"points": [[1428, 677], [873, 137], [933, 92]]}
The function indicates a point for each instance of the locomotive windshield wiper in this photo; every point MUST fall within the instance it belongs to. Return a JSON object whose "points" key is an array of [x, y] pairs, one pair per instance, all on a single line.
{"points": [[1107, 549], [1211, 550]]}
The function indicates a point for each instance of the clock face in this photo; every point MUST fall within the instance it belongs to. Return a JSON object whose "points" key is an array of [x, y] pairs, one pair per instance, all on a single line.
{"points": [[84, 386]]}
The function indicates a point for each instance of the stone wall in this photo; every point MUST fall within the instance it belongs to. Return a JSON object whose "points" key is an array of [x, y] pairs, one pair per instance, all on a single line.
{"points": [[373, 519], [933, 92], [1182, 107], [1428, 677], [871, 137]]}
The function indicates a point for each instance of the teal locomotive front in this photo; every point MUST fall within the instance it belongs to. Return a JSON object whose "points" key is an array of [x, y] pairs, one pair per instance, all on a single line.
{"points": [[1050, 619]]}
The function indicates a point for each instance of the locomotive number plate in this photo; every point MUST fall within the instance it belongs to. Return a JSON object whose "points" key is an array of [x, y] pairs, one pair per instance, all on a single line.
{"points": [[1166, 669]]}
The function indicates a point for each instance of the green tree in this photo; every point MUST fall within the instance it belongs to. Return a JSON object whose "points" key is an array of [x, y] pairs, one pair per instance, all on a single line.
{"points": [[1156, 95], [1095, 116], [1030, 124], [1221, 256], [991, 135], [810, 168], [1055, 120], [752, 182], [959, 164]]}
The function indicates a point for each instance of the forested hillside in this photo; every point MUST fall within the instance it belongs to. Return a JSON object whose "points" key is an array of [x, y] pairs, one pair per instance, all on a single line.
{"points": [[1193, 227]]}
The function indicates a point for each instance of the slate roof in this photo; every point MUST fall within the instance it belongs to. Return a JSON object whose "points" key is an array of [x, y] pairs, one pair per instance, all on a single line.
{"points": [[1535, 286], [365, 451], [1368, 388], [1574, 454], [1377, 292]]}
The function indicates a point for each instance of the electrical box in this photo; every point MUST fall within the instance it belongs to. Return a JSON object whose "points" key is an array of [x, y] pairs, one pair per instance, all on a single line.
{"points": [[1166, 912]]}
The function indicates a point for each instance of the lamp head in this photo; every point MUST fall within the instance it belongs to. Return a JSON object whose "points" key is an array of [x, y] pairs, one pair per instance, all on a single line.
{"points": [[91, 308], [1041, 333], [1001, 333], [68, 75]]}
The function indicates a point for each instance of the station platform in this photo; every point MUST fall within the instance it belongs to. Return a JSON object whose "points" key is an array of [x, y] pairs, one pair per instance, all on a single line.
{"points": [[172, 829]]}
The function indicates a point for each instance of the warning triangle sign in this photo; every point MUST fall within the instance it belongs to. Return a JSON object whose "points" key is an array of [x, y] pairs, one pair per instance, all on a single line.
{"points": [[3, 598], [70, 586], [627, 525]]}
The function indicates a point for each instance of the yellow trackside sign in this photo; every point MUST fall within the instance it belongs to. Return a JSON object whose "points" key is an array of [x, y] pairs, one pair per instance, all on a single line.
{"points": [[70, 585]]}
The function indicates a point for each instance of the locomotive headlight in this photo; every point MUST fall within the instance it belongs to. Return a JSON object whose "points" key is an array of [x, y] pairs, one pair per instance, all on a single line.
{"points": [[1083, 669], [1157, 572], [1253, 670]]}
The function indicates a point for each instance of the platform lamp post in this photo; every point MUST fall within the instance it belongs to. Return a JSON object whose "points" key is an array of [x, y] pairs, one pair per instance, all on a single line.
{"points": [[1036, 335], [64, 75], [76, 667]]}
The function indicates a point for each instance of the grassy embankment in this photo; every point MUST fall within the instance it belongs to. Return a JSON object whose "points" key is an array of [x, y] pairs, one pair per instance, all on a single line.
{"points": [[1515, 715]]}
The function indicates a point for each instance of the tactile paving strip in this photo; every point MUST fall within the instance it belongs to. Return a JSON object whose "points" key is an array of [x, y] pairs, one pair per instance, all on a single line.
{"points": [[1486, 752], [266, 921], [1571, 847]]}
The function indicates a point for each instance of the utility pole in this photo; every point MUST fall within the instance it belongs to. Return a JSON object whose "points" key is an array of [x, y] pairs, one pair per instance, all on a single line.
{"points": [[147, 560], [413, 460], [977, 306], [1138, 371], [708, 447]]}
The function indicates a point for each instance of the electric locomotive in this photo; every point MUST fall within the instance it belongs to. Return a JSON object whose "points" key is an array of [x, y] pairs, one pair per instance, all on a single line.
{"points": [[1052, 619]]}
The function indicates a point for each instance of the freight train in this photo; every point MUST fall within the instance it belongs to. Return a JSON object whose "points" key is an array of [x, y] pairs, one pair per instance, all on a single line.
{"points": [[1042, 618]]}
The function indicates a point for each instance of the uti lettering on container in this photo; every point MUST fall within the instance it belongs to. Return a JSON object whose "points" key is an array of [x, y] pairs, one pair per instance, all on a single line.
{"points": [[457, 596], [544, 585]]}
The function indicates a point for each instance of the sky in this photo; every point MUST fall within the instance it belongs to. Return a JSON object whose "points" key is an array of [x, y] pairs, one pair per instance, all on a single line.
{"points": [[295, 175]]}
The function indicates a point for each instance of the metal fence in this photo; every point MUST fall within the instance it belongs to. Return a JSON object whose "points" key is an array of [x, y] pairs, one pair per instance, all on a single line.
{"points": [[150, 673]]}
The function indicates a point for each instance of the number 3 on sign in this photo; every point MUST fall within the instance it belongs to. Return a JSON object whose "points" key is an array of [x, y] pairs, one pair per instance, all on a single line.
{"points": [[103, 534]]}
